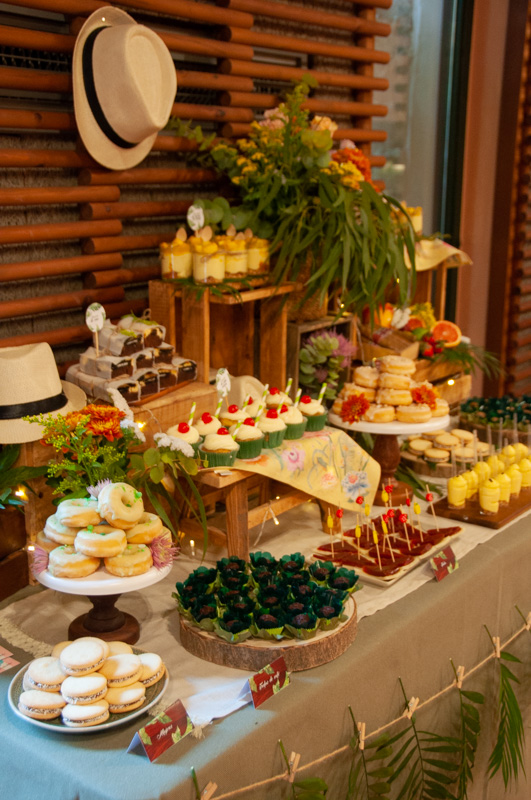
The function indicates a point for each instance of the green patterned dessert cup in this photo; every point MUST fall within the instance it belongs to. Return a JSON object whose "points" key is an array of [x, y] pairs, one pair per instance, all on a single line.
{"points": [[295, 430], [218, 459], [197, 445], [317, 422], [274, 438], [250, 448]]}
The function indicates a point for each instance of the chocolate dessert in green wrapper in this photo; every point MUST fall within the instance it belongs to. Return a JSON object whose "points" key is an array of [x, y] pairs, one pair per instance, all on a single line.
{"points": [[204, 613], [303, 625], [267, 625], [322, 571], [304, 591], [233, 628], [329, 612], [237, 604], [232, 564], [343, 579], [262, 559], [292, 563]]}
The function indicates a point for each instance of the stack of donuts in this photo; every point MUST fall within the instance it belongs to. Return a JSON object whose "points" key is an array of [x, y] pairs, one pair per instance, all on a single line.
{"points": [[112, 529], [392, 394]]}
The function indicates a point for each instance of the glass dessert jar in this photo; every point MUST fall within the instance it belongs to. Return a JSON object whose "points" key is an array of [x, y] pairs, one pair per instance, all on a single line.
{"points": [[258, 255], [235, 256], [208, 262]]}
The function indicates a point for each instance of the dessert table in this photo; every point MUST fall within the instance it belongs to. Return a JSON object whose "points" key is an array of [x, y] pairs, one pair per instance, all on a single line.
{"points": [[409, 630]]}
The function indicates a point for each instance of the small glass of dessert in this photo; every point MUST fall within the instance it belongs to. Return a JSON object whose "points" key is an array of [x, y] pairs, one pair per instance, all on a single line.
{"points": [[489, 497], [208, 258], [257, 254], [235, 255], [457, 491], [504, 482]]}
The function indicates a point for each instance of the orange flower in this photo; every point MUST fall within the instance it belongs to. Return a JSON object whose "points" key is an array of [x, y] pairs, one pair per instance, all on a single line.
{"points": [[424, 394], [356, 157], [109, 428], [354, 407]]}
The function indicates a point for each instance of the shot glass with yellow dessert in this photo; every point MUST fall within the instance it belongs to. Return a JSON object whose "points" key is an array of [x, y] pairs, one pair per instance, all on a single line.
{"points": [[249, 437], [176, 257], [515, 476], [489, 496], [219, 449], [208, 259], [524, 465], [257, 254], [457, 491], [472, 480], [235, 254], [504, 482]]}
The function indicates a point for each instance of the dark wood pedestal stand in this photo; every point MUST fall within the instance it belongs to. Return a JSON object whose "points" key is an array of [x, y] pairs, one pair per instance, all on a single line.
{"points": [[106, 622]]}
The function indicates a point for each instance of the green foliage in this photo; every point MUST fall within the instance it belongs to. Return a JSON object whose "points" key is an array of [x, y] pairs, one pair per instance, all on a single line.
{"points": [[407, 475], [321, 359], [367, 780], [304, 788], [11, 476], [230, 286], [508, 751]]}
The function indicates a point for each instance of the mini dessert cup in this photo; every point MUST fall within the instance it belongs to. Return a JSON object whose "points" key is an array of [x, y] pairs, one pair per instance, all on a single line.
{"points": [[457, 491], [250, 448], [489, 497], [296, 430], [317, 422], [273, 438], [208, 264], [504, 482], [218, 459], [258, 256]]}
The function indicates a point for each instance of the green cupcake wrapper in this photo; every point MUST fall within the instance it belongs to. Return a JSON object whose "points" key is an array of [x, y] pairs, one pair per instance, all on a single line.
{"points": [[295, 430], [219, 459], [196, 445], [274, 438], [250, 448], [316, 423]]}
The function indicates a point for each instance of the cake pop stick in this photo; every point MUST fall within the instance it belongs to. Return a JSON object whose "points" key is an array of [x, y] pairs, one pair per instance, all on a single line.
{"points": [[357, 533], [489, 438], [288, 386], [218, 407], [191, 414], [515, 428], [387, 541], [416, 509], [375, 540], [403, 519], [475, 446], [429, 498], [385, 531], [500, 435], [367, 511], [330, 526], [339, 515]]}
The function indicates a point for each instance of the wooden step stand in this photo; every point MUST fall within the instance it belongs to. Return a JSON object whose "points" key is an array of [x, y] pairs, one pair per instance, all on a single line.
{"points": [[233, 487], [219, 331]]}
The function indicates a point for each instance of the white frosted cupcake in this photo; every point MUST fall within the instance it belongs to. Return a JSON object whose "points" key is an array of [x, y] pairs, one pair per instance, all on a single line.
{"points": [[276, 398], [219, 449], [273, 428], [249, 437], [207, 424], [294, 420], [251, 409], [232, 415], [314, 412], [186, 432]]}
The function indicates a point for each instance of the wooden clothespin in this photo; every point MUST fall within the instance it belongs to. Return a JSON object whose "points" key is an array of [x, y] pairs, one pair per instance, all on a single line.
{"points": [[293, 765], [208, 791], [361, 738], [411, 706], [496, 643], [460, 677]]}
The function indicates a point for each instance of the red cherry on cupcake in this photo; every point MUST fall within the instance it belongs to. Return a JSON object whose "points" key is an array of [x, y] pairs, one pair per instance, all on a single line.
{"points": [[250, 401], [272, 413], [206, 417], [232, 409], [283, 408], [249, 421], [223, 432], [274, 390], [305, 399], [183, 427]]}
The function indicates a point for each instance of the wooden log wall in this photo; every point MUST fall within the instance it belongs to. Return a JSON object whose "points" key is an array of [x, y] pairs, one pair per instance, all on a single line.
{"points": [[73, 232]]}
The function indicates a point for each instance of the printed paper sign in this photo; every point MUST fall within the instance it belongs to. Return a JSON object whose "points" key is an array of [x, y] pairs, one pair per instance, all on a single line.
{"points": [[195, 217], [444, 563], [6, 662], [162, 732], [95, 317], [269, 681], [223, 381]]}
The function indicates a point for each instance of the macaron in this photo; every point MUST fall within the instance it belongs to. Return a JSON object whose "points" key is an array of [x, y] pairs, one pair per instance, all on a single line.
{"points": [[153, 669], [59, 647], [45, 674], [103, 643], [121, 670], [78, 716], [82, 657], [117, 648], [41, 705], [84, 690], [126, 698]]}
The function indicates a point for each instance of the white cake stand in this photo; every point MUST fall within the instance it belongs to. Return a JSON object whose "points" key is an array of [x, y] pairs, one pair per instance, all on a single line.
{"points": [[387, 448], [104, 620]]}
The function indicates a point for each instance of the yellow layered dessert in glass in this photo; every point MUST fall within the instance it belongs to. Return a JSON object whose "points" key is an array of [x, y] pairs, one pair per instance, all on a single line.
{"points": [[483, 470], [258, 255], [524, 465], [515, 476], [489, 496], [508, 455], [504, 482], [521, 450], [180, 259], [208, 261], [472, 480], [235, 255], [456, 490]]}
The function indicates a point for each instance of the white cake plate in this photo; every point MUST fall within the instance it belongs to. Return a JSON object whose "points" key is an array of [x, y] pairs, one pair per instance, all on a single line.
{"points": [[388, 428], [102, 582]]}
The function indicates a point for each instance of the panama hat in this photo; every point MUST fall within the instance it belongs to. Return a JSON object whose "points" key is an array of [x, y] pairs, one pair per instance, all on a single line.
{"points": [[30, 385], [124, 87]]}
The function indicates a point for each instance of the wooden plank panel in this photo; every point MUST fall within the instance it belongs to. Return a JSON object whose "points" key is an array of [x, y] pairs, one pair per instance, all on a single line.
{"points": [[16, 234], [145, 175], [23, 270], [258, 100], [22, 196], [131, 210], [117, 244], [118, 277], [37, 120], [31, 159], [59, 302], [258, 69]]}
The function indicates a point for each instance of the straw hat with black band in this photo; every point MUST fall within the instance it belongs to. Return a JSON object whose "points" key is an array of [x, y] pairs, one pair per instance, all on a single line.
{"points": [[124, 87], [30, 385]]}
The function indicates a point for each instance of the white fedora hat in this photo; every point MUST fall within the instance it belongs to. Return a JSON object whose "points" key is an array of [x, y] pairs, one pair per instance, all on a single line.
{"points": [[30, 385], [124, 87]]}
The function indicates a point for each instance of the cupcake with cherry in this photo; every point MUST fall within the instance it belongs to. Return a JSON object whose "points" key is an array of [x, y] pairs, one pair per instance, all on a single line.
{"points": [[273, 427], [314, 412], [187, 432], [219, 449], [249, 437]]}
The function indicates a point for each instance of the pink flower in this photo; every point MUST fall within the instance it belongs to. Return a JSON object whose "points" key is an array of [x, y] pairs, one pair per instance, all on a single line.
{"points": [[293, 458], [40, 560], [163, 551], [94, 491], [328, 479]]}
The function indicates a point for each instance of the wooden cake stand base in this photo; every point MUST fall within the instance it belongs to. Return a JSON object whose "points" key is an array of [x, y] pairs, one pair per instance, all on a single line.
{"points": [[106, 622], [254, 654]]}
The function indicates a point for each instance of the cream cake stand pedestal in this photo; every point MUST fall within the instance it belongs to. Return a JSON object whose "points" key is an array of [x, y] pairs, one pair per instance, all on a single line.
{"points": [[387, 448], [103, 590]]}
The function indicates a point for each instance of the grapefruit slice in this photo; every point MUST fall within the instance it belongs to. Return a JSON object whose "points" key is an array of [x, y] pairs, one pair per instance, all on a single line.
{"points": [[414, 322], [447, 332]]}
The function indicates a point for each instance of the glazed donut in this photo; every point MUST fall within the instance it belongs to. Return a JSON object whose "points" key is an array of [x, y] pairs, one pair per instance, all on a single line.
{"points": [[135, 560], [78, 513], [120, 505], [64, 562], [366, 376], [417, 412], [394, 397], [55, 530], [441, 408], [399, 365], [389, 380], [100, 545], [147, 528], [379, 413], [41, 540]]}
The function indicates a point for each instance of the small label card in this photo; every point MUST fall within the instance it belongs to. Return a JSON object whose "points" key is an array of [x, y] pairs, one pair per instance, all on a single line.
{"points": [[6, 662], [269, 681], [444, 563], [162, 732]]}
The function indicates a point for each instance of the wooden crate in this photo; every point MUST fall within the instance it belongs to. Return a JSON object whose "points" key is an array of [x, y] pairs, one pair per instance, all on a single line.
{"points": [[221, 331], [298, 331]]}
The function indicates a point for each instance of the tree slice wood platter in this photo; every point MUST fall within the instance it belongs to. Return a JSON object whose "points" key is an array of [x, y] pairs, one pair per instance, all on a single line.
{"points": [[254, 654], [471, 512]]}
